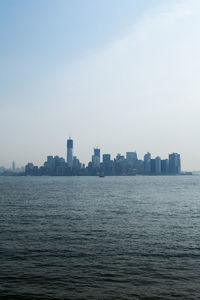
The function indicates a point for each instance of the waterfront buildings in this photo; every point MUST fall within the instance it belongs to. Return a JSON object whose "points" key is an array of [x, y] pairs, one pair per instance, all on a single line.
{"points": [[120, 165]]}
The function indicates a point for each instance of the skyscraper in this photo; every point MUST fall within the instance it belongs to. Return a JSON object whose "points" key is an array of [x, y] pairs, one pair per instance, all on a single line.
{"points": [[153, 165], [165, 166], [70, 153], [130, 156], [174, 163], [96, 158], [147, 163], [107, 164], [97, 152], [158, 165], [106, 158]]}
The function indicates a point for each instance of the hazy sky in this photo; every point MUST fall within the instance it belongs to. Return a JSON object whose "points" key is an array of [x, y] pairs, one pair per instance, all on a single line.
{"points": [[123, 75]]}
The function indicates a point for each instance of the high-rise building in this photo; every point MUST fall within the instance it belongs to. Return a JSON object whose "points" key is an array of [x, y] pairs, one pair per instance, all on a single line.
{"points": [[165, 166], [70, 153], [153, 165], [147, 163], [158, 165], [130, 156], [29, 169], [106, 158], [50, 164], [107, 164], [120, 158], [97, 152], [76, 163], [174, 163], [96, 158]]}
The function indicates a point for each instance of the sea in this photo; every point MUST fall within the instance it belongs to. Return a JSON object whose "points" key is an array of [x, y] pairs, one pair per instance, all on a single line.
{"points": [[79, 238]]}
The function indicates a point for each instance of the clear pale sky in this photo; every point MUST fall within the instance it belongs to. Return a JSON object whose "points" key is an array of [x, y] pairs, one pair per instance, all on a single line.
{"points": [[123, 75]]}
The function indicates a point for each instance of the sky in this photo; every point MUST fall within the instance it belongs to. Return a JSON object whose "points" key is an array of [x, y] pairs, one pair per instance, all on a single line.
{"points": [[120, 75]]}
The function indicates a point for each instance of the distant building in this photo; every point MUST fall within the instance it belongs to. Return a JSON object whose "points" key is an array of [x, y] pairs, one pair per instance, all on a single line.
{"points": [[140, 166], [96, 158], [147, 163], [158, 165], [2, 169], [153, 166], [107, 165], [97, 152], [165, 166], [119, 158], [29, 169], [106, 158], [54, 166], [50, 162], [13, 166], [76, 163], [130, 156], [174, 163], [70, 153]]}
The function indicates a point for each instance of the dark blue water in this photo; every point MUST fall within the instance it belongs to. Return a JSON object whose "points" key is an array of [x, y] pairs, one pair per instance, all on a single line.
{"points": [[100, 238]]}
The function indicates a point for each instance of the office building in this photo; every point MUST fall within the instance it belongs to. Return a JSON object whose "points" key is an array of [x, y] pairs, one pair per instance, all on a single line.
{"points": [[120, 158], [70, 153], [130, 156], [147, 163], [107, 165], [106, 158], [97, 152], [174, 163], [153, 166], [165, 166], [158, 165], [96, 158]]}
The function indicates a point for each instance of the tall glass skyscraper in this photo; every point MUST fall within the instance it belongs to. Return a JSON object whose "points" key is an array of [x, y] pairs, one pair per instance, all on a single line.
{"points": [[70, 152]]}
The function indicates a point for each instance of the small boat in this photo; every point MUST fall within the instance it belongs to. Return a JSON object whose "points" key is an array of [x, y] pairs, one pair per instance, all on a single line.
{"points": [[101, 175]]}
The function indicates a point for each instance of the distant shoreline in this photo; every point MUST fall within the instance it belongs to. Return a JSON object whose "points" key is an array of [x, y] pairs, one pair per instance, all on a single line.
{"points": [[121, 175]]}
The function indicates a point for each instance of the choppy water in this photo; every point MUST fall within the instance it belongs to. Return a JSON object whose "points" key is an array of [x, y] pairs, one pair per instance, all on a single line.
{"points": [[100, 238]]}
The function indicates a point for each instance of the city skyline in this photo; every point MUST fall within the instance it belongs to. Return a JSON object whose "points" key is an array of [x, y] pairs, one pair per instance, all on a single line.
{"points": [[111, 73], [95, 157], [99, 149], [120, 165]]}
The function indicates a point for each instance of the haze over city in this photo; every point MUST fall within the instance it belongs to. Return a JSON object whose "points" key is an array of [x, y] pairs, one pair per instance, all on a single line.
{"points": [[121, 75], [99, 149]]}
